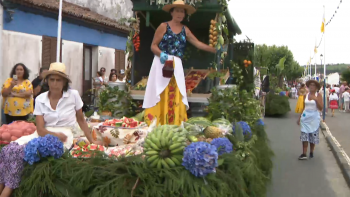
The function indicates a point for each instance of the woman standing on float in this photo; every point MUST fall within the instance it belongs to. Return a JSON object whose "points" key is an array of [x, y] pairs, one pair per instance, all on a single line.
{"points": [[166, 98]]}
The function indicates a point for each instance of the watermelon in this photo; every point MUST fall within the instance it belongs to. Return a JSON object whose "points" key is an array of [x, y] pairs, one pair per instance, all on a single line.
{"points": [[139, 116], [223, 124], [118, 124], [200, 121], [96, 147]]}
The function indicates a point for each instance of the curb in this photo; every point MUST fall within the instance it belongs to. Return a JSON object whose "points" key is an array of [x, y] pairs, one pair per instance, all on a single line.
{"points": [[338, 152]]}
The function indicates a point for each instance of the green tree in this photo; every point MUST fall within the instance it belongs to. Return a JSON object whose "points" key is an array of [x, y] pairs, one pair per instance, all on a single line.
{"points": [[280, 62], [345, 76]]}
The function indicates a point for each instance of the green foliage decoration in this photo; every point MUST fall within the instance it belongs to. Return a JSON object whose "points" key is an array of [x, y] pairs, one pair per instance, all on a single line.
{"points": [[234, 105], [243, 173], [276, 105]]}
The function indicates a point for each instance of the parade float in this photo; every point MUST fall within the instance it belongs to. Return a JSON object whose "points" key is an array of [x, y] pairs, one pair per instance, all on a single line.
{"points": [[225, 153]]}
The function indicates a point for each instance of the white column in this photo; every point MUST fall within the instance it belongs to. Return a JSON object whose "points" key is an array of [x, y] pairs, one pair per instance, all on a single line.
{"points": [[59, 33]]}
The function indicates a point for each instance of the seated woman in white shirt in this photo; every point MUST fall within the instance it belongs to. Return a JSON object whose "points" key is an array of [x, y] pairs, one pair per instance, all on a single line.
{"points": [[57, 112]]}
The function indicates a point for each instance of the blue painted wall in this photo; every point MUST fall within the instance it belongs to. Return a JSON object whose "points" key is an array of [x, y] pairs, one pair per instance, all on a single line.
{"points": [[26, 22]]}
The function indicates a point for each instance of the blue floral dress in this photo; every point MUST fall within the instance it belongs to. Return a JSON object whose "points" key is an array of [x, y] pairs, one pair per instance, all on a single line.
{"points": [[170, 110], [173, 44]]}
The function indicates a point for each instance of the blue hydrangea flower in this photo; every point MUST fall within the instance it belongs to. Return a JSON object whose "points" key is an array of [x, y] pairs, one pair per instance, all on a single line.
{"points": [[223, 145], [260, 122], [200, 158], [245, 127], [43, 147], [31, 154], [282, 93], [51, 146]]}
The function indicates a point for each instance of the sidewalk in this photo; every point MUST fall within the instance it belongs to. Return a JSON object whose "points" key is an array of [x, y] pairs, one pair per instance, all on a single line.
{"points": [[339, 125]]}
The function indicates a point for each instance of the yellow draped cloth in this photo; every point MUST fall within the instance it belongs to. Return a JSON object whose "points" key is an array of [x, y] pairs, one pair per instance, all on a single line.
{"points": [[170, 109], [300, 104]]}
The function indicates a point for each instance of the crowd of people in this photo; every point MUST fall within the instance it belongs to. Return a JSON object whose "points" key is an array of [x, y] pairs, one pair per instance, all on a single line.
{"points": [[19, 93]]}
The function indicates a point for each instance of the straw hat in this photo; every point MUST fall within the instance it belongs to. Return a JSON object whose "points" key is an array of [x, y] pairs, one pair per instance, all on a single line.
{"points": [[315, 82], [180, 4], [57, 68]]}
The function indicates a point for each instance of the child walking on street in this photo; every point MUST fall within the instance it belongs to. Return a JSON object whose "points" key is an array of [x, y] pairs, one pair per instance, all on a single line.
{"points": [[333, 101]]}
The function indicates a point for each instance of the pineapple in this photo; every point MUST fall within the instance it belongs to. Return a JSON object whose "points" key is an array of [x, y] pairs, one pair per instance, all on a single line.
{"points": [[212, 132]]}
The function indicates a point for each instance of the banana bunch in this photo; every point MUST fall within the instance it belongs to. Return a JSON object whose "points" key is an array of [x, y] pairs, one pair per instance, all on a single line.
{"points": [[213, 34], [164, 147]]}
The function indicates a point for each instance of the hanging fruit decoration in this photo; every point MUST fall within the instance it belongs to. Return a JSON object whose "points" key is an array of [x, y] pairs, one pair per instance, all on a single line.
{"points": [[136, 41], [213, 34], [247, 63]]}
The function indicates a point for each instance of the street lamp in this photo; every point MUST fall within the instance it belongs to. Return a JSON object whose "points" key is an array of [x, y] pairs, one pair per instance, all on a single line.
{"points": [[324, 92]]}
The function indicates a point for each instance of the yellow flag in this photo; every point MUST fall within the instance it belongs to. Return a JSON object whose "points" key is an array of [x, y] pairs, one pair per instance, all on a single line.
{"points": [[315, 50], [323, 22]]}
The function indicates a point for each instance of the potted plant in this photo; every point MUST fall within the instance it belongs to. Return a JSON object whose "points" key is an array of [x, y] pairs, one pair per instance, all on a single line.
{"points": [[115, 102], [215, 76]]}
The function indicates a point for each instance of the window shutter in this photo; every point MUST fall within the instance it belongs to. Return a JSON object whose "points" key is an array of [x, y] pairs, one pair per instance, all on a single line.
{"points": [[49, 48], [119, 60]]}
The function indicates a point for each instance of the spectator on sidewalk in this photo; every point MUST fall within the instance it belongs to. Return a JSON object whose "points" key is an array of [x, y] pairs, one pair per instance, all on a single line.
{"points": [[341, 98], [39, 85], [293, 91], [346, 97], [18, 94]]}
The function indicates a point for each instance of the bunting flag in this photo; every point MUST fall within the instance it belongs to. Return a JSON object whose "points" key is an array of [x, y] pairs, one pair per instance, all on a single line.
{"points": [[323, 22]]}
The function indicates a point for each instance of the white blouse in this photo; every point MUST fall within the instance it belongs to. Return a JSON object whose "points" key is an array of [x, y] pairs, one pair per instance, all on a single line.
{"points": [[333, 97], [65, 113]]}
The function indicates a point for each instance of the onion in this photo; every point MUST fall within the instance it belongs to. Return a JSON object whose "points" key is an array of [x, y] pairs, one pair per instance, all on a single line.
{"points": [[6, 136], [14, 138], [16, 132]]}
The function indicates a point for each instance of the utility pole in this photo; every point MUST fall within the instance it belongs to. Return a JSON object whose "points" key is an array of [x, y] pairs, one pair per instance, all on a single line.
{"points": [[59, 30]]}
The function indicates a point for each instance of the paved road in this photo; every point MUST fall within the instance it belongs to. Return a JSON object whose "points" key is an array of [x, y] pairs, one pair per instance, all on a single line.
{"points": [[339, 125], [317, 177]]}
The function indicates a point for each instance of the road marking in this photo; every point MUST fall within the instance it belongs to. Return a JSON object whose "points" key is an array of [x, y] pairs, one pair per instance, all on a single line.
{"points": [[338, 144]]}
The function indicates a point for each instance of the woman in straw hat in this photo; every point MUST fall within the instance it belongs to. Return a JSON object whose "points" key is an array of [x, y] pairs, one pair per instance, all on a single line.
{"points": [[165, 98], [57, 111], [310, 119]]}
